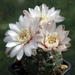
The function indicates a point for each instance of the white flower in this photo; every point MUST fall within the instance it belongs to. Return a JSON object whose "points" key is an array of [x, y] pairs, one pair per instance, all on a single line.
{"points": [[45, 14], [54, 38], [22, 37]]}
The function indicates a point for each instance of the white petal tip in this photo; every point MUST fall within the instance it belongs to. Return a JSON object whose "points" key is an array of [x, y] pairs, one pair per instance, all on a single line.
{"points": [[18, 58]]}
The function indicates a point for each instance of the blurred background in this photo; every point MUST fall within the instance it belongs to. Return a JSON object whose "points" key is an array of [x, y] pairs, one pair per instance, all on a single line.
{"points": [[10, 10]]}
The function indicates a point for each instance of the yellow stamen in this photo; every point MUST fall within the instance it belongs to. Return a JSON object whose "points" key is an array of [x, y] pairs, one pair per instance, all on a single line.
{"points": [[43, 17], [51, 39], [24, 35]]}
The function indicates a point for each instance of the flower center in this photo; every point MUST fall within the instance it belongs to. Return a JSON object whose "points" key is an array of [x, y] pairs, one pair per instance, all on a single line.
{"points": [[52, 40], [24, 35], [43, 17]]}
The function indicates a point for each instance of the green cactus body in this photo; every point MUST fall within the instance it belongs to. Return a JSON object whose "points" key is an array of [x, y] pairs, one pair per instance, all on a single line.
{"points": [[44, 63]]}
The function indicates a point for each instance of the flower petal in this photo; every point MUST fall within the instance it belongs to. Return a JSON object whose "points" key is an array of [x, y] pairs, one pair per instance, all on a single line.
{"points": [[15, 50], [54, 14], [14, 27], [32, 12], [17, 23], [11, 33], [66, 40], [59, 29], [22, 21], [12, 44], [43, 30], [37, 37], [59, 19], [63, 34], [50, 11], [41, 46], [27, 18], [44, 9], [62, 48], [35, 25], [27, 50], [33, 44], [8, 38], [37, 10], [20, 54], [52, 27]]}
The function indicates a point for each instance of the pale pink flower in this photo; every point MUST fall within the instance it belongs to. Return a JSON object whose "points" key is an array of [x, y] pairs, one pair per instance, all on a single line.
{"points": [[54, 38]]}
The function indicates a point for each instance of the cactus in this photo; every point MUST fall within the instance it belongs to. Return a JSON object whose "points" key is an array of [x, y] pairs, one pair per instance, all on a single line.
{"points": [[37, 31], [44, 63]]}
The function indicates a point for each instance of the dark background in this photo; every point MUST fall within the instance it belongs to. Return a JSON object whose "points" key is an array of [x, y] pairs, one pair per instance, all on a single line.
{"points": [[10, 10]]}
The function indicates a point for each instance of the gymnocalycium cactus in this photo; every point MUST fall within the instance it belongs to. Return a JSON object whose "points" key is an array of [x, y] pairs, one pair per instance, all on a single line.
{"points": [[44, 63], [36, 40]]}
